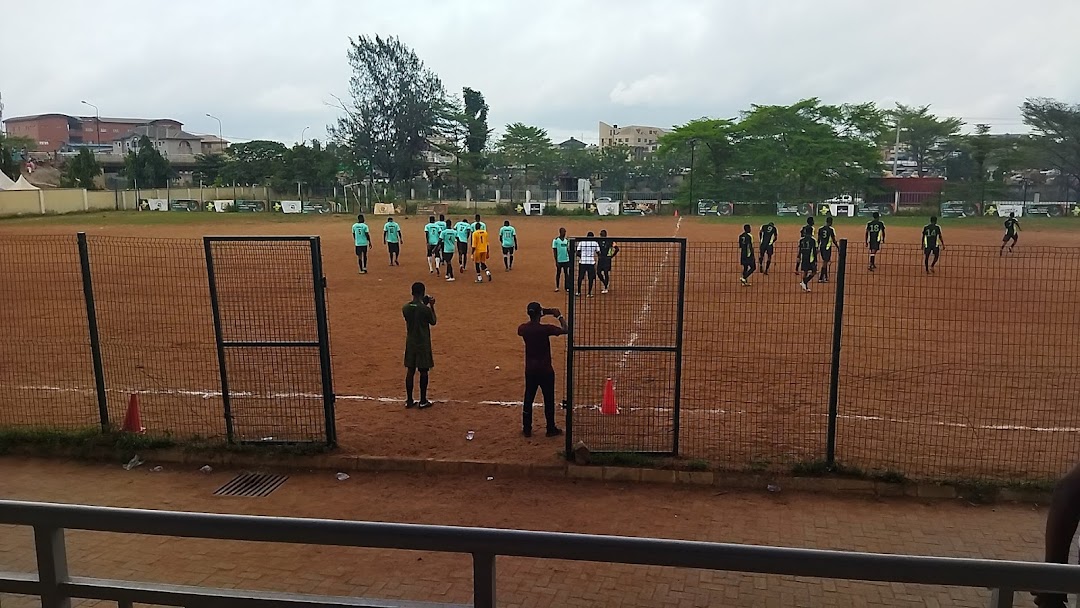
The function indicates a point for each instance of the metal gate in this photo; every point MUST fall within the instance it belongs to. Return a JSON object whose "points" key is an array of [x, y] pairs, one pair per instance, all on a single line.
{"points": [[268, 296], [624, 351]]}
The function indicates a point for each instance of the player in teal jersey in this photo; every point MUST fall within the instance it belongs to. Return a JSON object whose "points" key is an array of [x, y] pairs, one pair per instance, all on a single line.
{"points": [[449, 247], [433, 231], [392, 238], [464, 231], [362, 240], [560, 249], [508, 240]]}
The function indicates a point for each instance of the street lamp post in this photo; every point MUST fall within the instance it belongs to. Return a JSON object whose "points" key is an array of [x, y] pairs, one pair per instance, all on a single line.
{"points": [[302, 136], [97, 121], [693, 144], [221, 140]]}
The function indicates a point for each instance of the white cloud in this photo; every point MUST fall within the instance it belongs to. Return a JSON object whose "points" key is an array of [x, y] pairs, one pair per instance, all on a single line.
{"points": [[652, 89]]}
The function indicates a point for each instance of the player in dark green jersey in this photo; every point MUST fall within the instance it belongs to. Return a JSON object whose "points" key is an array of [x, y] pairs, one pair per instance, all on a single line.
{"points": [[875, 238], [932, 243], [1012, 233], [746, 255], [826, 238], [768, 235], [807, 262]]}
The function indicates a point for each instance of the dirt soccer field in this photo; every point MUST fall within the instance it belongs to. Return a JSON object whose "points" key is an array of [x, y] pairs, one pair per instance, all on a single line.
{"points": [[968, 371]]}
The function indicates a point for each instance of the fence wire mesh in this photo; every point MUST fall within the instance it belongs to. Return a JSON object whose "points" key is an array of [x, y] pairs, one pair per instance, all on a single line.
{"points": [[46, 374], [969, 371]]}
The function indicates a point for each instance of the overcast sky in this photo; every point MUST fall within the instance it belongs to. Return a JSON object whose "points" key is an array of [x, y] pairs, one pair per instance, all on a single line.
{"points": [[268, 68]]}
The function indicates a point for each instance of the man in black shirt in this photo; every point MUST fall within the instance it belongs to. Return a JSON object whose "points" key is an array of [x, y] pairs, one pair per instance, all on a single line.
{"points": [[746, 255], [808, 229], [768, 236], [807, 262], [539, 373], [875, 238], [826, 242], [1062, 520], [932, 243], [1012, 233], [608, 251]]}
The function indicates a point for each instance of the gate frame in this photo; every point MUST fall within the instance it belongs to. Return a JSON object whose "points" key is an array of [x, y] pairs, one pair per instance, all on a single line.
{"points": [[571, 348], [321, 321]]}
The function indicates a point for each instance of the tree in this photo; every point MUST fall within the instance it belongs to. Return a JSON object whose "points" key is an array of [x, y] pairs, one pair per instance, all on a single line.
{"points": [[925, 135], [613, 167], [11, 150], [1057, 133], [397, 106], [146, 166], [709, 142], [81, 171], [254, 162], [523, 146], [470, 165], [312, 165], [210, 168]]}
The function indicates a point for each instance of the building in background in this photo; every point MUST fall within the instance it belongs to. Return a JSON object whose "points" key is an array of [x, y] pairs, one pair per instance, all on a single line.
{"points": [[212, 144], [641, 140], [54, 132], [572, 144], [169, 140]]}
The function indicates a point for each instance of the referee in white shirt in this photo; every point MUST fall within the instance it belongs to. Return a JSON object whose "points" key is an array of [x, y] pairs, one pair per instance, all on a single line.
{"points": [[587, 251]]}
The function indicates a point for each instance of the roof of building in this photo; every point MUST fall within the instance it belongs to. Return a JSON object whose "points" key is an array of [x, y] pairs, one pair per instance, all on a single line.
{"points": [[573, 142], [159, 132], [137, 121]]}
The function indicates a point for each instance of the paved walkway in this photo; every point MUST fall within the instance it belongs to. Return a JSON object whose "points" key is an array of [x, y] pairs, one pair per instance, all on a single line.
{"points": [[798, 520]]}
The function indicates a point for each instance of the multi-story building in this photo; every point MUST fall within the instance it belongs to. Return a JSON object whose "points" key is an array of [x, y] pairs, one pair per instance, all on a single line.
{"points": [[53, 132], [170, 141], [641, 140]]}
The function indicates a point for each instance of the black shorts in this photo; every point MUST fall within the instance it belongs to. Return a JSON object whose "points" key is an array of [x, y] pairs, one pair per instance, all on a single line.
{"points": [[448, 256], [826, 255], [587, 270], [562, 265], [394, 247], [432, 250], [462, 248], [931, 250], [508, 250], [767, 249], [808, 266], [361, 249], [875, 246], [1010, 237], [750, 261], [604, 265]]}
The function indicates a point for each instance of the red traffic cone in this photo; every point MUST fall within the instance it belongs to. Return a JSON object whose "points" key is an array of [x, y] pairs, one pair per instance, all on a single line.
{"points": [[132, 420], [608, 405]]}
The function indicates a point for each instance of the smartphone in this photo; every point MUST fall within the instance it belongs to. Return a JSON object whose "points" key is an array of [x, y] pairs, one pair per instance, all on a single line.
{"points": [[547, 311]]}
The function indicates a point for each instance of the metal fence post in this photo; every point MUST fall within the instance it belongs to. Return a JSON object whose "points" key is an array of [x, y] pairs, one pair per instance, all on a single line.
{"points": [[571, 293], [834, 376], [323, 328], [52, 566], [218, 338], [1001, 598], [679, 319], [483, 580], [95, 338]]}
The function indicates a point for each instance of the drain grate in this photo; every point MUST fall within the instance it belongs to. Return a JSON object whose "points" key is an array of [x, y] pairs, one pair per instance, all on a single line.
{"points": [[251, 484]]}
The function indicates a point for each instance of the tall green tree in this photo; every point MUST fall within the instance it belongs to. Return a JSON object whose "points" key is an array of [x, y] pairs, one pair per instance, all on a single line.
{"points": [[146, 167], [254, 162], [614, 167], [397, 106], [210, 169], [709, 144], [524, 148], [925, 135], [12, 149], [471, 163], [81, 171], [1057, 134]]}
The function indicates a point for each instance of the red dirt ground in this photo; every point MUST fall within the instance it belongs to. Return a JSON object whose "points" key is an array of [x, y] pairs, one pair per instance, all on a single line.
{"points": [[755, 378]]}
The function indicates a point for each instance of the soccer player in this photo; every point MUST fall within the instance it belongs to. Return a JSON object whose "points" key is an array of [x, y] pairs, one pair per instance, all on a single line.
{"points": [[419, 317], [807, 260], [476, 220], [746, 255], [539, 373], [480, 251], [808, 229], [433, 231], [608, 251], [768, 236], [587, 252], [392, 238], [560, 249], [508, 239], [449, 239], [464, 231], [362, 239], [875, 238], [932, 243], [1012, 233], [826, 236], [442, 222]]}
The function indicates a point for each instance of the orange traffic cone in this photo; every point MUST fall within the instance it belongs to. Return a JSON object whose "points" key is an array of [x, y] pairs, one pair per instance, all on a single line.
{"points": [[608, 405], [132, 420]]}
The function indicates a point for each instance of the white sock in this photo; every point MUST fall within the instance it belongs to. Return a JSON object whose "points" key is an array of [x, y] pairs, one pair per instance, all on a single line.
{"points": [[429, 265]]}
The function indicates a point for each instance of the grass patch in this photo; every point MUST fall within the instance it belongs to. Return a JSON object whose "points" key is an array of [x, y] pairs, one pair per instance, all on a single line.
{"points": [[820, 468], [80, 442], [697, 465]]}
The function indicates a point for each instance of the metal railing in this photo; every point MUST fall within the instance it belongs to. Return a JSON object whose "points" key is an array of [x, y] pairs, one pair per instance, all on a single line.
{"points": [[56, 587]]}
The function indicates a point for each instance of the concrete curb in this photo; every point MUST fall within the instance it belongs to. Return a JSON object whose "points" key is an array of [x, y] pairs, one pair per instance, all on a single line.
{"points": [[504, 470]]}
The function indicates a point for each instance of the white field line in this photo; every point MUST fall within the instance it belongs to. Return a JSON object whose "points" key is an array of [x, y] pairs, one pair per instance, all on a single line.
{"points": [[646, 308], [208, 394]]}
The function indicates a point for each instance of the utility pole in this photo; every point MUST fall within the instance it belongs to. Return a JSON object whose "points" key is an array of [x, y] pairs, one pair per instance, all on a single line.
{"points": [[97, 121], [693, 144]]}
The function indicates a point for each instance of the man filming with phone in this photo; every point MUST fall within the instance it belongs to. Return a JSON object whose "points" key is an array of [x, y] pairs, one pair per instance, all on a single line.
{"points": [[419, 317], [539, 373]]}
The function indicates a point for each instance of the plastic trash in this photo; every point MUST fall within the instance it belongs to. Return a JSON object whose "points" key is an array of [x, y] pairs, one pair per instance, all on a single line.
{"points": [[158, 469], [342, 476], [772, 487], [134, 462], [469, 436], [206, 468], [490, 478]]}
